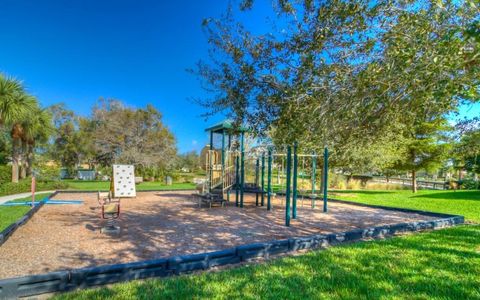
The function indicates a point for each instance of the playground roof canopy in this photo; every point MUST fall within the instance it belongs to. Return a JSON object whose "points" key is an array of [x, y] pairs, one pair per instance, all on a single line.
{"points": [[227, 126]]}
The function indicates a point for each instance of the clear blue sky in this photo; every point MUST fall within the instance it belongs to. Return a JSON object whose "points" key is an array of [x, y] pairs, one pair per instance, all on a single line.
{"points": [[136, 51]]}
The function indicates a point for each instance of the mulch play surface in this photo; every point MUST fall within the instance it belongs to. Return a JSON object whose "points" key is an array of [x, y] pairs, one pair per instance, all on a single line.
{"points": [[162, 224]]}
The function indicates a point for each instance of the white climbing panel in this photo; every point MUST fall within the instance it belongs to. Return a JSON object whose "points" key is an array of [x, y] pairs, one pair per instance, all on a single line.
{"points": [[124, 181]]}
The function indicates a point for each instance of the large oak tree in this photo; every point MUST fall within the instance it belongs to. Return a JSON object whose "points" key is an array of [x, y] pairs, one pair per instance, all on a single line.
{"points": [[344, 73]]}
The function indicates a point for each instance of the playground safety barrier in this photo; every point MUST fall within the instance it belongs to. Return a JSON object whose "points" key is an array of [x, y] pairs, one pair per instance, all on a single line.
{"points": [[89, 277]]}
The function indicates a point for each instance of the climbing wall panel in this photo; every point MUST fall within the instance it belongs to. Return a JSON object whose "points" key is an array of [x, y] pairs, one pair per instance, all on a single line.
{"points": [[124, 181]]}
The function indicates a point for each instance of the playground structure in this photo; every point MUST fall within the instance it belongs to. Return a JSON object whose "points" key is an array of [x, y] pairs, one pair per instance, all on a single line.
{"points": [[230, 168]]}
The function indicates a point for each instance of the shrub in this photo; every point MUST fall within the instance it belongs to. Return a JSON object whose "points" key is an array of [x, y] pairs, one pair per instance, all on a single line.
{"points": [[5, 174], [385, 186], [469, 184], [337, 181], [48, 173], [362, 178], [341, 185], [24, 186], [354, 184]]}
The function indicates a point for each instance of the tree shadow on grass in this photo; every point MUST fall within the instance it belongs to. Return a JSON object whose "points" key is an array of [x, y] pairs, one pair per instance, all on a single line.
{"points": [[427, 265]]}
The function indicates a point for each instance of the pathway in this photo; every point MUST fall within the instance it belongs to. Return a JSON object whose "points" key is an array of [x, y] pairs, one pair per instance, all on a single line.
{"points": [[7, 198]]}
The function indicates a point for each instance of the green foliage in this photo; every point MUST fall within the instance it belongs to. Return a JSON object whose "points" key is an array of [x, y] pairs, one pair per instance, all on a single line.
{"points": [[467, 149], [384, 186], [24, 186], [15, 103], [427, 145], [354, 184], [469, 184], [190, 160], [48, 173], [68, 147], [5, 174], [132, 136], [441, 264], [337, 181], [352, 75]]}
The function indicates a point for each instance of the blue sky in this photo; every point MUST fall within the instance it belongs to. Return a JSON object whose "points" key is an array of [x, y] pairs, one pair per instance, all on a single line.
{"points": [[136, 51]]}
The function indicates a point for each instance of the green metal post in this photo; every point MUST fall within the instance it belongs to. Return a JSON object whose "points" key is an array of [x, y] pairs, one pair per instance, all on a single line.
{"points": [[325, 179], [269, 180], [287, 192], [257, 167], [223, 160], [210, 164], [229, 144], [294, 196], [263, 179], [314, 170], [237, 178], [242, 168]]}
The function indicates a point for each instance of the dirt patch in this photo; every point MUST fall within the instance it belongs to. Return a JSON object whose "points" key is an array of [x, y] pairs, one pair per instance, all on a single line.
{"points": [[162, 224]]}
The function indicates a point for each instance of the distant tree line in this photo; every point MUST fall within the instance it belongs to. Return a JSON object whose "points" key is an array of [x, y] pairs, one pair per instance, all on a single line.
{"points": [[32, 137], [113, 133]]}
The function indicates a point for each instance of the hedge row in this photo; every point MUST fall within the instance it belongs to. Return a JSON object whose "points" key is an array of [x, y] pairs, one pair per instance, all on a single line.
{"points": [[24, 186]]}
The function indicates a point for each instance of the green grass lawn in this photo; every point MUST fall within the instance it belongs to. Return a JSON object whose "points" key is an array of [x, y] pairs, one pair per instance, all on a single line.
{"points": [[10, 214], [466, 203], [94, 185], [443, 264]]}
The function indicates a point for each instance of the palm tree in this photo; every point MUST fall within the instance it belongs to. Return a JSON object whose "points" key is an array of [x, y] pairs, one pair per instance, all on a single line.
{"points": [[15, 106], [37, 128], [18, 134]]}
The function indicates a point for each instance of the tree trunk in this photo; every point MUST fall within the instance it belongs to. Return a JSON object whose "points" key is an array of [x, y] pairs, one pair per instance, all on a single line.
{"points": [[16, 145], [29, 159], [23, 160], [414, 181]]}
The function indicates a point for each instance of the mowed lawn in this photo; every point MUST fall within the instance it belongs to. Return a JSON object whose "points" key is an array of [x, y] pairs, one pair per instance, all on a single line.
{"points": [[95, 185], [441, 264], [10, 214], [466, 203]]}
